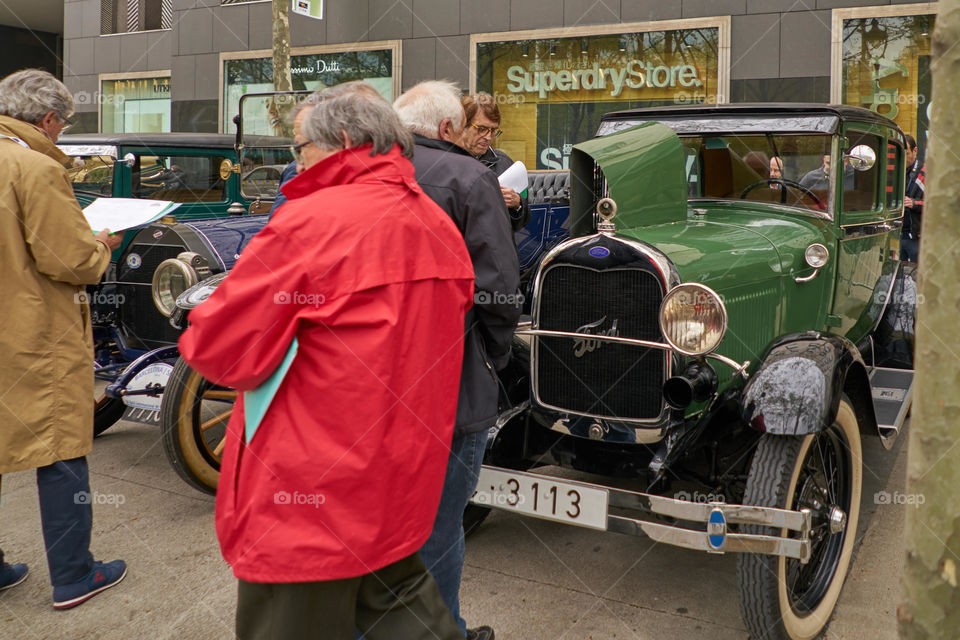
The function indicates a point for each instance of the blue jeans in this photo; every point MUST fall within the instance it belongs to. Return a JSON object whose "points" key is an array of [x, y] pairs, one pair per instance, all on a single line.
{"points": [[66, 517], [443, 551]]}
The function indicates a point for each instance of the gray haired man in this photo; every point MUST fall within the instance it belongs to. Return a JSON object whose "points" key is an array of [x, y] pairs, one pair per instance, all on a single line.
{"points": [[471, 196], [46, 345]]}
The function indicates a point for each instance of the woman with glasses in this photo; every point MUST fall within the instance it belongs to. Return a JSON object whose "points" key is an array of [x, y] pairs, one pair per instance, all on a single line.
{"points": [[483, 126]]}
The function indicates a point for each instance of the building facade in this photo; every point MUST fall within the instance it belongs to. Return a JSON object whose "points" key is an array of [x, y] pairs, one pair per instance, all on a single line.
{"points": [[554, 66]]}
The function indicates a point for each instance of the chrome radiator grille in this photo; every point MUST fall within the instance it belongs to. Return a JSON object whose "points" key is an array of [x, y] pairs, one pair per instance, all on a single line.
{"points": [[602, 379]]}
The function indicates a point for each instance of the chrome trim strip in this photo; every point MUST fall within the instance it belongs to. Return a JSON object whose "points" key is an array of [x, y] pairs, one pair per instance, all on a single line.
{"points": [[733, 364], [867, 229]]}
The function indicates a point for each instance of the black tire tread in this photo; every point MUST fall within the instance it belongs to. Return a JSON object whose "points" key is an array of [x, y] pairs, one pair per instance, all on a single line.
{"points": [[169, 410], [107, 416]]}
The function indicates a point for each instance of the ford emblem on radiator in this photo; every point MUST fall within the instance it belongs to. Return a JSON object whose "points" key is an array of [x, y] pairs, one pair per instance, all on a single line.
{"points": [[583, 345], [599, 252], [716, 529]]}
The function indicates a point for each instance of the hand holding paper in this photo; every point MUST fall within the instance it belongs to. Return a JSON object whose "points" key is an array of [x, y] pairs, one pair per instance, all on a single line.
{"points": [[515, 177]]}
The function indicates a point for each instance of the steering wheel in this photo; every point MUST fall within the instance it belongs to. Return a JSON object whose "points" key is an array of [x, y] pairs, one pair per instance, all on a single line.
{"points": [[783, 192]]}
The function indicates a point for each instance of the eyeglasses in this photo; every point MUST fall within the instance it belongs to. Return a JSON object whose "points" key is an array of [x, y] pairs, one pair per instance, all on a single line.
{"points": [[295, 150], [482, 130], [67, 123]]}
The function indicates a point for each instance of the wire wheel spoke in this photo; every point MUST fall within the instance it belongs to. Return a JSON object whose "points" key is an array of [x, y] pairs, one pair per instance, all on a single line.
{"points": [[220, 394], [218, 419]]}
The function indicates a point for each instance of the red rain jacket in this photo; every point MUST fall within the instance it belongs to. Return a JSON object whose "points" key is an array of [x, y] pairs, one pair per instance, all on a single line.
{"points": [[344, 475]]}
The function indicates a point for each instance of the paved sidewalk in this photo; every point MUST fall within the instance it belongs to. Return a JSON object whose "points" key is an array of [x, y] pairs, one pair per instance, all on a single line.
{"points": [[529, 579]]}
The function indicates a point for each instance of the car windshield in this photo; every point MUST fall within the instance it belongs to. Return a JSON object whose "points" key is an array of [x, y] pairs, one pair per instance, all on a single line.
{"points": [[92, 174], [793, 170]]}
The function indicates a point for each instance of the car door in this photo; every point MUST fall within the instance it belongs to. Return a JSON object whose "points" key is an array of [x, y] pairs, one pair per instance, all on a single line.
{"points": [[867, 237]]}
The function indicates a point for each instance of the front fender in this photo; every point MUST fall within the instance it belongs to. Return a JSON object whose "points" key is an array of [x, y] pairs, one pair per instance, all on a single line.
{"points": [[797, 388], [115, 389]]}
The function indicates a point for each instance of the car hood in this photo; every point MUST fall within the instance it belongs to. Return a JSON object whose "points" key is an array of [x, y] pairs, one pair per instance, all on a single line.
{"points": [[725, 248]]}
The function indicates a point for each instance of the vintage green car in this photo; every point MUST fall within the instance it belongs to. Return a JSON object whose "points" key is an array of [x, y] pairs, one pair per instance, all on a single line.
{"points": [[728, 319]]}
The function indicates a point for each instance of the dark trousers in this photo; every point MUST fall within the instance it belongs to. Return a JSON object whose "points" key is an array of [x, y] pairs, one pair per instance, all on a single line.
{"points": [[67, 517], [398, 602]]}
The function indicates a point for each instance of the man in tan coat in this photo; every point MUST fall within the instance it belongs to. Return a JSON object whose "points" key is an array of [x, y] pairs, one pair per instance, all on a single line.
{"points": [[46, 382]]}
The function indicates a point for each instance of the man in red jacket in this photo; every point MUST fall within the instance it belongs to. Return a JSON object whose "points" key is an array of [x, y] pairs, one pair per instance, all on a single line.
{"points": [[321, 510]]}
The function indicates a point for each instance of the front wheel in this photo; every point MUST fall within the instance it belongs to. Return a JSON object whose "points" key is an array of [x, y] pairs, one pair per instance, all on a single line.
{"points": [[780, 598], [193, 418]]}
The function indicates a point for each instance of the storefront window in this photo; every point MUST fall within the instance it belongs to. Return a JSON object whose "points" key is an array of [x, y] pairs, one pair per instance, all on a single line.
{"points": [[310, 72], [886, 68], [136, 105], [553, 92]]}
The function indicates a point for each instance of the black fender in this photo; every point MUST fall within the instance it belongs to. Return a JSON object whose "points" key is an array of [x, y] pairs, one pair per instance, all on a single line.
{"points": [[116, 389], [797, 387]]}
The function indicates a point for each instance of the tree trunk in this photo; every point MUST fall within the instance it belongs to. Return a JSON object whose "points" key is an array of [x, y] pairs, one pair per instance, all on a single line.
{"points": [[932, 607], [282, 80]]}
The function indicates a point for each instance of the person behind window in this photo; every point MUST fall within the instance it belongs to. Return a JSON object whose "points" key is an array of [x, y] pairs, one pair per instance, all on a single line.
{"points": [[819, 178], [483, 126], [912, 203]]}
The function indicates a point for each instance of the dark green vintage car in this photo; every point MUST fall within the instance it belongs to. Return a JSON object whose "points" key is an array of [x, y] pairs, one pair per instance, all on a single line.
{"points": [[726, 322]]}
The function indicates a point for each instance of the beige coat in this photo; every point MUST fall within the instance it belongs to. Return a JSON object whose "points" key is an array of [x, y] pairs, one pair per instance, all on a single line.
{"points": [[46, 345]]}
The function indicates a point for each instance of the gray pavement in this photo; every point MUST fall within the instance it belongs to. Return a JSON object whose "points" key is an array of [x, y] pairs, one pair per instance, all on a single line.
{"points": [[527, 578]]}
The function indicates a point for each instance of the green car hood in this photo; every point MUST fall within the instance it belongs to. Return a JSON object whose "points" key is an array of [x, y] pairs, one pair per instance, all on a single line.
{"points": [[645, 174]]}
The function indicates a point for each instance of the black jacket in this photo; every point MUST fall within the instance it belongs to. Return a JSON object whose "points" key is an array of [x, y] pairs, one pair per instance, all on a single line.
{"points": [[470, 194], [916, 184]]}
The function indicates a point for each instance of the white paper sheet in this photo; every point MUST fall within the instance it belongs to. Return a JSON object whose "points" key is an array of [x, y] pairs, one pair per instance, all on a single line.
{"points": [[515, 177], [118, 214]]}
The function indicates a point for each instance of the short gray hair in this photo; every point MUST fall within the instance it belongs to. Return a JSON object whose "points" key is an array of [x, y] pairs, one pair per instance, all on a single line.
{"points": [[30, 94], [359, 110], [429, 103]]}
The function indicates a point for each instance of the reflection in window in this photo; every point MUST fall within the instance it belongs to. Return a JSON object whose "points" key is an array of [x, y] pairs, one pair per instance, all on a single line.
{"points": [[861, 188], [137, 105], [179, 178], [124, 16], [776, 169], [886, 68], [92, 175]]}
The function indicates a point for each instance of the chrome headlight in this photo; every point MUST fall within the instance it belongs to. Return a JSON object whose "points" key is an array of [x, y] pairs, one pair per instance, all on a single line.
{"points": [[174, 276], [693, 319]]}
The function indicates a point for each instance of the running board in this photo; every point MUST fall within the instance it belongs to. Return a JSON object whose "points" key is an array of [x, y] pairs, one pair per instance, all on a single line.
{"points": [[892, 391]]}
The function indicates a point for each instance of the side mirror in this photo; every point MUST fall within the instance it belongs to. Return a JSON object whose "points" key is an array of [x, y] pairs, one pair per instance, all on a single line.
{"points": [[862, 157], [130, 160]]}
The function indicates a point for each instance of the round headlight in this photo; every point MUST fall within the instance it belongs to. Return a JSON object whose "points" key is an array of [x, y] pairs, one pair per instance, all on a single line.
{"points": [[816, 255], [171, 278], [693, 319]]}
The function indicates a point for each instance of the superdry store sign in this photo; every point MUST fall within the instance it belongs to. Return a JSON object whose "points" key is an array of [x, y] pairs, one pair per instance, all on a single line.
{"points": [[552, 92]]}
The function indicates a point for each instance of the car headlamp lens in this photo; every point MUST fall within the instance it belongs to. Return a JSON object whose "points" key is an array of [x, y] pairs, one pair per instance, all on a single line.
{"points": [[693, 319], [171, 278], [816, 255]]}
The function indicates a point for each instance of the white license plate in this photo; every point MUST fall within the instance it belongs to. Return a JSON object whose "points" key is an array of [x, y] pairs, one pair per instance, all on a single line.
{"points": [[542, 497]]}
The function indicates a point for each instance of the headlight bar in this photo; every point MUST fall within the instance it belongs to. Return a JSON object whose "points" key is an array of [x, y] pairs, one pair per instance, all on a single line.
{"points": [[739, 369]]}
